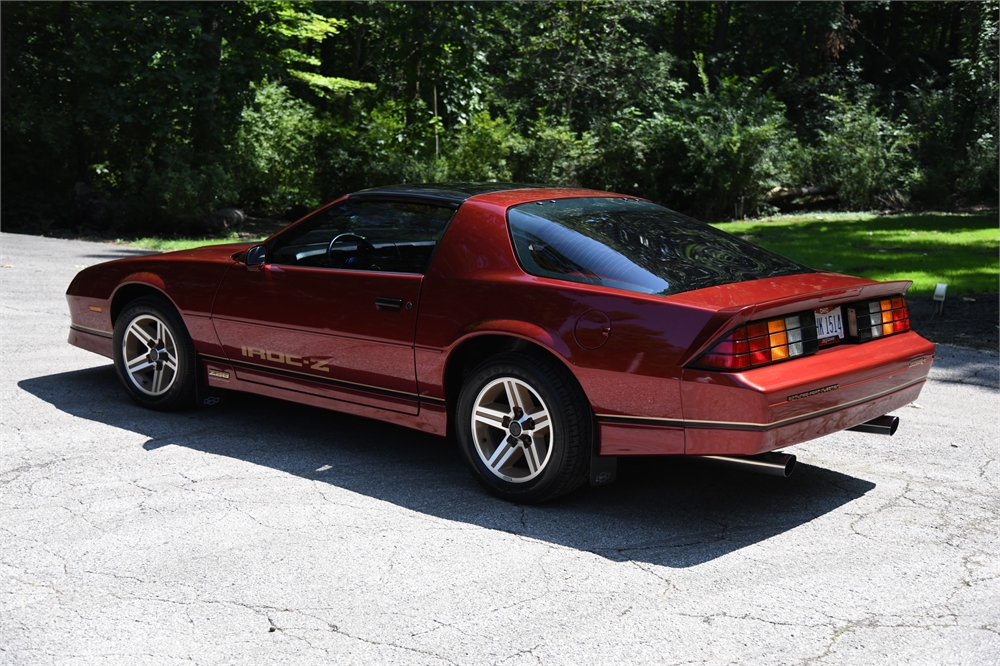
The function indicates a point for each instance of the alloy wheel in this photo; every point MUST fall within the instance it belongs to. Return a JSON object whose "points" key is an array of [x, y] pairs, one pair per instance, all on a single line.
{"points": [[512, 429], [150, 355]]}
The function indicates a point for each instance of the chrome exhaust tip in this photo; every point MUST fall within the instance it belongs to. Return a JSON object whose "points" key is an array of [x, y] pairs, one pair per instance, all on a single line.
{"points": [[883, 425], [772, 463]]}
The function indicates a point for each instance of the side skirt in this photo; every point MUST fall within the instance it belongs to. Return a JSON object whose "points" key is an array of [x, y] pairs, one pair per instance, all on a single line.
{"points": [[431, 416]]}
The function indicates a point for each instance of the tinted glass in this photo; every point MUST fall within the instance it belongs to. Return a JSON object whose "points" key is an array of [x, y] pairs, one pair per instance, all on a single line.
{"points": [[368, 235], [635, 246]]}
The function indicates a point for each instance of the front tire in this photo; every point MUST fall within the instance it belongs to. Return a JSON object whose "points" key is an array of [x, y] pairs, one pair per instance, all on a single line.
{"points": [[154, 355], [525, 428]]}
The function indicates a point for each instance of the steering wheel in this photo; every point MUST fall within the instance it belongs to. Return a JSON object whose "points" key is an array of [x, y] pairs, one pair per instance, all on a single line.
{"points": [[364, 247]]}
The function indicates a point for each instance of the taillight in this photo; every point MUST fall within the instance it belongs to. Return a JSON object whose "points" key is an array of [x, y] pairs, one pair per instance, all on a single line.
{"points": [[876, 319], [762, 342], [772, 340]]}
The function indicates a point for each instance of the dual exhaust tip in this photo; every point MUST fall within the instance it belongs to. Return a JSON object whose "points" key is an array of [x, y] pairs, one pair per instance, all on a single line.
{"points": [[883, 425], [772, 463], [776, 463]]}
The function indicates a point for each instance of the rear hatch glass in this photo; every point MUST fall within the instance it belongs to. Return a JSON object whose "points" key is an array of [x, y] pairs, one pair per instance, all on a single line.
{"points": [[635, 246]]}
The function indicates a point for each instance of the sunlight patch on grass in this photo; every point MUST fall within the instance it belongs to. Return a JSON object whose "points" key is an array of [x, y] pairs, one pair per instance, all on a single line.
{"points": [[960, 249]]}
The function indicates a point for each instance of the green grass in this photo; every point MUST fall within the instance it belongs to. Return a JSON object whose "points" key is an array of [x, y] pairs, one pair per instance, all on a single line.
{"points": [[171, 244], [959, 249]]}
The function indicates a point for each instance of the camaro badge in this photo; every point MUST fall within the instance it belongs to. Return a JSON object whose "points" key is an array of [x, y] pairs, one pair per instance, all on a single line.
{"points": [[825, 389]]}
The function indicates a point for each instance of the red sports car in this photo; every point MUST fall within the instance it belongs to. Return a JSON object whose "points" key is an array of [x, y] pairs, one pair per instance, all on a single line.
{"points": [[550, 330]]}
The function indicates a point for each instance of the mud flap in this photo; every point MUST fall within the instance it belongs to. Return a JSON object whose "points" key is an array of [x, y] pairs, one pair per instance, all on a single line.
{"points": [[205, 395], [603, 470]]}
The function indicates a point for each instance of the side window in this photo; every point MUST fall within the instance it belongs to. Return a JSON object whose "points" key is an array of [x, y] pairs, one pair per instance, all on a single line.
{"points": [[391, 236]]}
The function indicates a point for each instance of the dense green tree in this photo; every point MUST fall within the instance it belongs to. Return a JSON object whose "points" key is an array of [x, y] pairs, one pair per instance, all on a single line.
{"points": [[127, 110], [137, 116]]}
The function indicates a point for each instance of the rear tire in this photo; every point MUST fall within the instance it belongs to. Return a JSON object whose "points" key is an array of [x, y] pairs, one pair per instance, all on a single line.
{"points": [[525, 428], [154, 355]]}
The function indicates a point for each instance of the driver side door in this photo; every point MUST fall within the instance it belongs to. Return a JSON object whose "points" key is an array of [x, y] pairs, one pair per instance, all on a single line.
{"points": [[333, 309]]}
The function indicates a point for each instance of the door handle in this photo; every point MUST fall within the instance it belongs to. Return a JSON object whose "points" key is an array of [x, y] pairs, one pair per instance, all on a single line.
{"points": [[388, 303]]}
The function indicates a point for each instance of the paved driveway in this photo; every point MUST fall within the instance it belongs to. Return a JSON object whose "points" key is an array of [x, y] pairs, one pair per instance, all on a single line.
{"points": [[259, 532]]}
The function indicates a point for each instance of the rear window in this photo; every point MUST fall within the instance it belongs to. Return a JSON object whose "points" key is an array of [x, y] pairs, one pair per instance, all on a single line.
{"points": [[634, 245]]}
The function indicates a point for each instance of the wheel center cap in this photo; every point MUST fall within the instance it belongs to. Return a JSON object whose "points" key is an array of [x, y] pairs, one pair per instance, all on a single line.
{"points": [[515, 429], [154, 355]]}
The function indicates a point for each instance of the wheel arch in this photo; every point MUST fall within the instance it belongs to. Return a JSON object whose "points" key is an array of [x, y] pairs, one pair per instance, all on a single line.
{"points": [[476, 348], [133, 289]]}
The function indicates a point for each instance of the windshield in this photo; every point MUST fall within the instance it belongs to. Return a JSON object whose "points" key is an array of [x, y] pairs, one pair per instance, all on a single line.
{"points": [[634, 245]]}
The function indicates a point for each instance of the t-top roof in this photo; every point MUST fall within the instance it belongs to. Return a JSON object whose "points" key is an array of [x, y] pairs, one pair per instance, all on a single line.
{"points": [[446, 193]]}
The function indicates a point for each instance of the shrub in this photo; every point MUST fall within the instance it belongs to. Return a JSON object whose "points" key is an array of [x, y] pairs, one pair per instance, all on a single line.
{"points": [[479, 149], [620, 162], [390, 151], [275, 152], [865, 156], [553, 153], [977, 90], [718, 154]]}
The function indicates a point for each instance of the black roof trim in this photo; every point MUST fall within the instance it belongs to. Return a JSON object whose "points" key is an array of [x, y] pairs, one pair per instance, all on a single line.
{"points": [[449, 194]]}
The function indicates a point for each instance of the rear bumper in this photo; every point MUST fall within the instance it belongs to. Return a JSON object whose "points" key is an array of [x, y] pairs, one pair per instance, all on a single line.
{"points": [[783, 404], [786, 403], [701, 441]]}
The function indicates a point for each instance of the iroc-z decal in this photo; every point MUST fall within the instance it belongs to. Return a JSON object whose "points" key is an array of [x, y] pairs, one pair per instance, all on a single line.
{"points": [[293, 360]]}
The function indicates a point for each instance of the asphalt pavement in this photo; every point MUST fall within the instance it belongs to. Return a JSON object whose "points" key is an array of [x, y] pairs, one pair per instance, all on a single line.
{"points": [[261, 532]]}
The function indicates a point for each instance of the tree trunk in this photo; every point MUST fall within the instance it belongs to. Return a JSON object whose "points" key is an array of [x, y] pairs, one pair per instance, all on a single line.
{"points": [[896, 23], [359, 44], [575, 70], [79, 153], [206, 137], [680, 47], [722, 12], [955, 32], [681, 50]]}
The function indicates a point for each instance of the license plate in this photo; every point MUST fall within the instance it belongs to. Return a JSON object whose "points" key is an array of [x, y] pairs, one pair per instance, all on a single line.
{"points": [[829, 323]]}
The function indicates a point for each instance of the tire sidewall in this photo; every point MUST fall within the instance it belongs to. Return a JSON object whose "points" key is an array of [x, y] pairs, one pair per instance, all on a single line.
{"points": [[546, 484], [182, 393]]}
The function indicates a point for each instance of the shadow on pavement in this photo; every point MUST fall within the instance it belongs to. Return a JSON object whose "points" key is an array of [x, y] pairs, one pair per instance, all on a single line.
{"points": [[957, 365], [119, 254], [670, 512]]}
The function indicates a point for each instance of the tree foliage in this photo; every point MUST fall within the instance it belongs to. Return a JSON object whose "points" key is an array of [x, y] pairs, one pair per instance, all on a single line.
{"points": [[143, 117]]}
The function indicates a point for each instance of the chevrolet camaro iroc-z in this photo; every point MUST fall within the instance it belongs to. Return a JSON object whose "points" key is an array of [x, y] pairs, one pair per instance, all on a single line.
{"points": [[547, 330]]}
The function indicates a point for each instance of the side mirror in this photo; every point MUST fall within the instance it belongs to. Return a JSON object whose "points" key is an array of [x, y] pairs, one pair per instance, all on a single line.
{"points": [[255, 257]]}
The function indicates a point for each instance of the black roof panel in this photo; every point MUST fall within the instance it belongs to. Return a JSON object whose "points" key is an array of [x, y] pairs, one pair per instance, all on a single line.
{"points": [[447, 193]]}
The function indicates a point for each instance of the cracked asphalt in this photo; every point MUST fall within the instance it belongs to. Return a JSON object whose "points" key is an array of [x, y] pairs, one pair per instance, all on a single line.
{"points": [[259, 532]]}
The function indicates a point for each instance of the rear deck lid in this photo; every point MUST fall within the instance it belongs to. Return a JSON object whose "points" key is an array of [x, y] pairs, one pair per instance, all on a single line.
{"points": [[828, 303]]}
